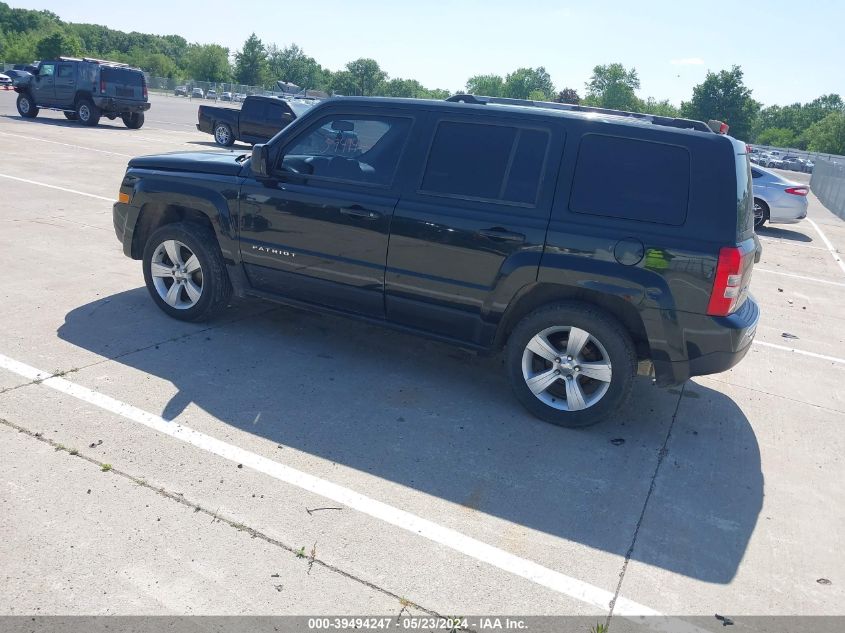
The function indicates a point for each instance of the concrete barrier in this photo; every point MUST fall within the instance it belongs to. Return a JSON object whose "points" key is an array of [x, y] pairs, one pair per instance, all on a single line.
{"points": [[828, 184]]}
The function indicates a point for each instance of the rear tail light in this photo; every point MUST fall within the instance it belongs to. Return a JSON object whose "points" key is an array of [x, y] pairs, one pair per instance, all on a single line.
{"points": [[144, 83], [797, 191], [728, 284], [102, 86]]}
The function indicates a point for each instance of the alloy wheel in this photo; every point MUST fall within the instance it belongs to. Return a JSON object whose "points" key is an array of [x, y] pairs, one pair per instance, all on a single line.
{"points": [[177, 274], [566, 368], [221, 134]]}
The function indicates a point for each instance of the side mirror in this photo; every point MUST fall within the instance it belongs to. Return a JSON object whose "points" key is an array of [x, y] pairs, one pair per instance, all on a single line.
{"points": [[258, 163]]}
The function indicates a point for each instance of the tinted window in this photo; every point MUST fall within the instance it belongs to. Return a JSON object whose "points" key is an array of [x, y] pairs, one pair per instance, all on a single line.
{"points": [[356, 149], [275, 112], [491, 162], [65, 71], [631, 179], [122, 76], [47, 70], [744, 195], [253, 109]]}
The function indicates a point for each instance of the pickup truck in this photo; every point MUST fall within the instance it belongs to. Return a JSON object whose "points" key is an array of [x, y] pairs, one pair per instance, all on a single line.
{"points": [[257, 121]]}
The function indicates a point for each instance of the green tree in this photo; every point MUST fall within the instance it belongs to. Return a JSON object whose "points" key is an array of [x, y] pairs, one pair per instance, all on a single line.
{"points": [[613, 86], [159, 65], [293, 65], [529, 83], [828, 135], [568, 95], [660, 108], [724, 96], [343, 82], [368, 75], [776, 137], [208, 62], [486, 85], [58, 44], [251, 66]]}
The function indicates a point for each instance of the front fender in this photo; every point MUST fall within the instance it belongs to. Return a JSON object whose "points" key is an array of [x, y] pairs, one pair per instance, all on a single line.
{"points": [[213, 195]]}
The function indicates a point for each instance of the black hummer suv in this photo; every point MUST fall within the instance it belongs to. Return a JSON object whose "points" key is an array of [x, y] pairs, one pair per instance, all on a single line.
{"points": [[585, 243], [85, 90]]}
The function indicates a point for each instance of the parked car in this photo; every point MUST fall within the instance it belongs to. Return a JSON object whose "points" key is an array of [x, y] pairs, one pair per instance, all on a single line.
{"points": [[226, 96], [792, 162], [197, 93], [808, 166], [180, 91], [759, 159], [774, 161], [777, 200], [5, 81], [85, 90], [239, 97], [211, 93], [631, 242], [17, 75], [257, 121]]}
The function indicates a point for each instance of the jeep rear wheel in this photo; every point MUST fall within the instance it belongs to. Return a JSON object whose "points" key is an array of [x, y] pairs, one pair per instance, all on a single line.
{"points": [[571, 364], [87, 112], [185, 273], [26, 106], [133, 120]]}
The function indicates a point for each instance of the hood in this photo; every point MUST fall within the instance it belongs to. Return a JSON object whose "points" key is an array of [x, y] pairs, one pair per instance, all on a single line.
{"points": [[224, 163]]}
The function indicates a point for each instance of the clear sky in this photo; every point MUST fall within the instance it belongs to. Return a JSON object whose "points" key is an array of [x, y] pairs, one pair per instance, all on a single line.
{"points": [[790, 50]]}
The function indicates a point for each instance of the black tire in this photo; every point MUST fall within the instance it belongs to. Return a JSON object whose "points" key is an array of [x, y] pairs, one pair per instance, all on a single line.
{"points": [[26, 106], [761, 213], [133, 120], [70, 116], [87, 113], [215, 284], [223, 135], [614, 342]]}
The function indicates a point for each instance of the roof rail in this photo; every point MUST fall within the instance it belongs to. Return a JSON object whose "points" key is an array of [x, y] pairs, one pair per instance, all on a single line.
{"points": [[688, 124], [94, 60]]}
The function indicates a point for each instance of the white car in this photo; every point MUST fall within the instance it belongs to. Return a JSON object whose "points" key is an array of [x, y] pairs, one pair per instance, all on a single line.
{"points": [[5, 80], [776, 199]]}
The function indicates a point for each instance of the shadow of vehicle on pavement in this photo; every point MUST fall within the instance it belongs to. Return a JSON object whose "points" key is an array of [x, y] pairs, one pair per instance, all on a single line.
{"points": [[786, 234], [117, 124], [442, 421]]}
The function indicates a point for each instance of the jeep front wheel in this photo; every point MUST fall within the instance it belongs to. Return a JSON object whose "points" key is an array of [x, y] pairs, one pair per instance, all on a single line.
{"points": [[571, 364], [26, 106], [185, 273], [87, 112]]}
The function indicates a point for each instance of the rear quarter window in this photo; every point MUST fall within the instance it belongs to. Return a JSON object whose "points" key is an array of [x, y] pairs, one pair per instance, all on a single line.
{"points": [[631, 179], [123, 76]]}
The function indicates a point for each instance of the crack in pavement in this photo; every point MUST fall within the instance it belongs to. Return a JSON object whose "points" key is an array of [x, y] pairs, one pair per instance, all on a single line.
{"points": [[661, 455], [180, 498]]}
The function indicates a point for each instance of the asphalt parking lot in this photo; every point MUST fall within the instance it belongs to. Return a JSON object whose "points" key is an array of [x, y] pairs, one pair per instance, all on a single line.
{"points": [[274, 462]]}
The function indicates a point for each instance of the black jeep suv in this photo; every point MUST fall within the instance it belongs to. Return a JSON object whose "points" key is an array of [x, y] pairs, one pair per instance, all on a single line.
{"points": [[85, 90], [586, 243]]}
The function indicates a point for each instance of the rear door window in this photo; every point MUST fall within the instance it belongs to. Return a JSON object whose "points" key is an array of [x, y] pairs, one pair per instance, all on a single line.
{"points": [[480, 161], [631, 179]]}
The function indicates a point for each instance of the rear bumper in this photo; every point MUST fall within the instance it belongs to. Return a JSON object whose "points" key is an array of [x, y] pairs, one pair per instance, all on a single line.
{"points": [[112, 104], [711, 344]]}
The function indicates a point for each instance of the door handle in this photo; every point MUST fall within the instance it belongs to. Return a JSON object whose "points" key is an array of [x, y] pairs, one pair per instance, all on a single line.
{"points": [[360, 212], [498, 233]]}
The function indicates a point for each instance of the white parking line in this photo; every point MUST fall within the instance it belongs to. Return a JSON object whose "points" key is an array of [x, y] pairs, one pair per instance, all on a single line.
{"points": [[784, 348], [473, 548], [827, 243], [758, 269], [44, 140], [66, 190]]}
